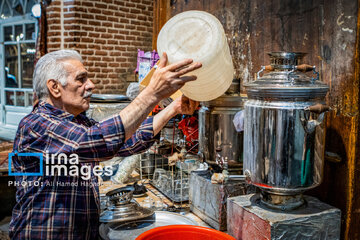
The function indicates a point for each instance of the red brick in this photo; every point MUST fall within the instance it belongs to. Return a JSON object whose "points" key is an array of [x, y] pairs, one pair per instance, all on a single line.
{"points": [[124, 43], [71, 2], [108, 59], [107, 24], [113, 7], [113, 19], [87, 16], [87, 3], [100, 29], [119, 14], [129, 4], [94, 10], [147, 2], [140, 28], [141, 6], [112, 75], [94, 23], [119, 2], [116, 53], [112, 30], [99, 41], [130, 38], [112, 41], [101, 5], [87, 40], [100, 17], [105, 47], [101, 75], [80, 10], [87, 28], [82, 21], [107, 12], [130, 16], [101, 53], [141, 18], [113, 64], [94, 35], [120, 48], [71, 27], [87, 52], [127, 54], [94, 58], [129, 26], [100, 64], [136, 11], [106, 35], [106, 70], [124, 32]]}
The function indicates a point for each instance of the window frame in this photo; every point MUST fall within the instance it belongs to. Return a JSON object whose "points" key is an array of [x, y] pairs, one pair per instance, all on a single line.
{"points": [[12, 21]]}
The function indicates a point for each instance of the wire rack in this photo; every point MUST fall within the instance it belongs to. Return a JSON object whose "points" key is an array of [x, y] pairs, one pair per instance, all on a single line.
{"points": [[172, 181]]}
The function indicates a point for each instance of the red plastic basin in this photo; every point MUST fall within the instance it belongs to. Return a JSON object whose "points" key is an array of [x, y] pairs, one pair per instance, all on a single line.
{"points": [[184, 232]]}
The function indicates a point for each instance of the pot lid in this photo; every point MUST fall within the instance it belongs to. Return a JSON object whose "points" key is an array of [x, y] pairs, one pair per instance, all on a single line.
{"points": [[234, 101], [287, 79]]}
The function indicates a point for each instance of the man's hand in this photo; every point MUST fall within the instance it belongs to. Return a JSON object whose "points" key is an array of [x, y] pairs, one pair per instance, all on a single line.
{"points": [[168, 79], [181, 105], [184, 105]]}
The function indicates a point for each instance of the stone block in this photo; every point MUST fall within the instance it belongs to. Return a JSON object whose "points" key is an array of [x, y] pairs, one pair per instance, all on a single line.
{"points": [[247, 219]]}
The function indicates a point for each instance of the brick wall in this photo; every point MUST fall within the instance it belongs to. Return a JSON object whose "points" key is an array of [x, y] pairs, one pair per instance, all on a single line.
{"points": [[107, 33]]}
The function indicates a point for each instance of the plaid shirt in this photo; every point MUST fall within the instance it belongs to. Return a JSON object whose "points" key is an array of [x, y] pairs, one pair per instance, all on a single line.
{"points": [[69, 210]]}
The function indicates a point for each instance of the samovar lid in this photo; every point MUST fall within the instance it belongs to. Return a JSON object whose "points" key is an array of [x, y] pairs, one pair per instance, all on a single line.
{"points": [[286, 79], [227, 101]]}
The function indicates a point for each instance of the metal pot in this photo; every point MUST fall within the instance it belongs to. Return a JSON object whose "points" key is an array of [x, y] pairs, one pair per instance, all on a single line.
{"points": [[218, 138], [283, 153]]}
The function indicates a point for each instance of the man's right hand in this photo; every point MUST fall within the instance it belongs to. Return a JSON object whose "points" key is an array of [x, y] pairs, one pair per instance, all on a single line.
{"points": [[168, 79]]}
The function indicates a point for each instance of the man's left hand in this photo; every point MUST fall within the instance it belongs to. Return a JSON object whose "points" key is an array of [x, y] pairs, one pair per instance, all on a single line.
{"points": [[184, 105]]}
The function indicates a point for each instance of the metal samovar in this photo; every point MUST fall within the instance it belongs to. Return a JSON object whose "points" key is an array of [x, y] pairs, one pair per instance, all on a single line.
{"points": [[219, 142], [284, 149]]}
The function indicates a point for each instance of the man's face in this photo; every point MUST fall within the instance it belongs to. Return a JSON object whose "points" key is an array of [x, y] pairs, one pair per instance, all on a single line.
{"points": [[75, 96]]}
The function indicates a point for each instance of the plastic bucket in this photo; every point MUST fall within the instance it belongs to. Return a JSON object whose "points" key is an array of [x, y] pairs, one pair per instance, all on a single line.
{"points": [[184, 232], [200, 36]]}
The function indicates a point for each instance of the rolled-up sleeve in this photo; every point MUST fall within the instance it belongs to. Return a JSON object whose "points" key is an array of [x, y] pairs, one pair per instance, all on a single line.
{"points": [[141, 140], [99, 142]]}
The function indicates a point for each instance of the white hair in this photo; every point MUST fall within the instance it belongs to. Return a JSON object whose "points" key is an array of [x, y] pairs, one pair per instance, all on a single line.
{"points": [[50, 66]]}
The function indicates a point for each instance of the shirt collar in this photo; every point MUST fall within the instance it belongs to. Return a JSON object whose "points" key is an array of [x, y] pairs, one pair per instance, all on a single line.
{"points": [[47, 108]]}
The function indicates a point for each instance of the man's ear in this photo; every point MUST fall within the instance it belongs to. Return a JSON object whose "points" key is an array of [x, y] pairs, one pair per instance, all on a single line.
{"points": [[54, 88]]}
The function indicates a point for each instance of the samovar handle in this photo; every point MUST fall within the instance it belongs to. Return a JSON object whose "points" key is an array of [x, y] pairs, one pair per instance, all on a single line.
{"points": [[307, 68], [318, 108], [309, 125], [264, 68]]}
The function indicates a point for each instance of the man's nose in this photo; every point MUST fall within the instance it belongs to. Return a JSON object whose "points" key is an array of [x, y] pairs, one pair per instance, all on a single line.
{"points": [[89, 85]]}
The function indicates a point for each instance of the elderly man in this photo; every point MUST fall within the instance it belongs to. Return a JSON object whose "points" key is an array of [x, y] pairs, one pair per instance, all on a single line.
{"points": [[58, 125]]}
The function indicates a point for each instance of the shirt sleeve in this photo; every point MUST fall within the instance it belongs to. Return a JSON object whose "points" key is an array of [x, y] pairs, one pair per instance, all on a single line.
{"points": [[140, 141], [99, 142]]}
